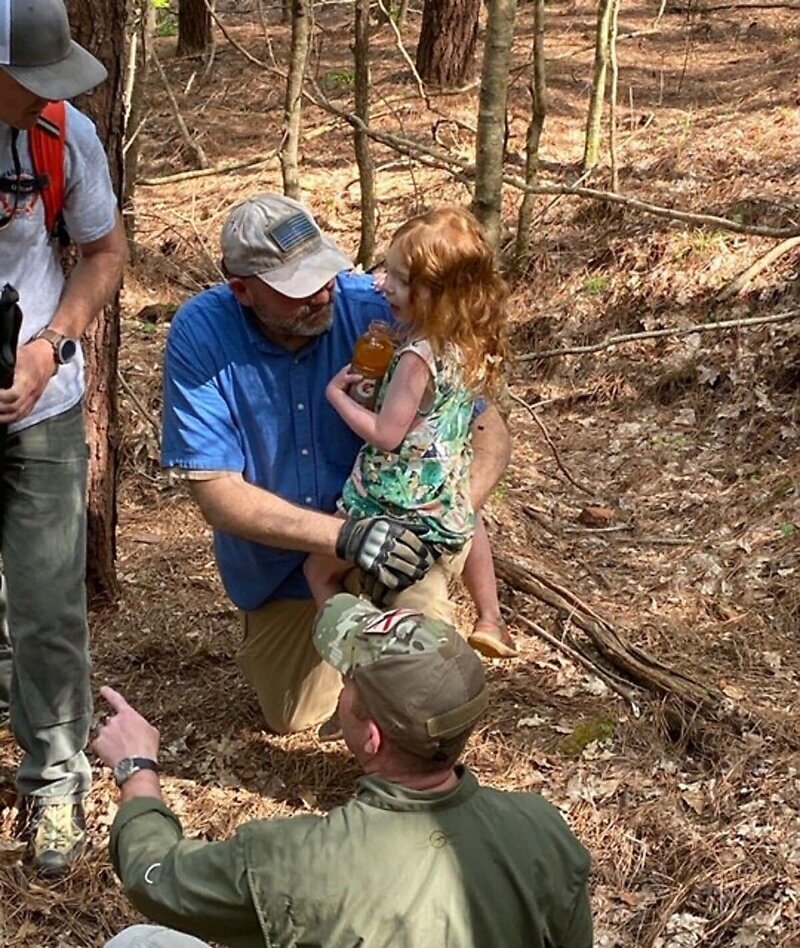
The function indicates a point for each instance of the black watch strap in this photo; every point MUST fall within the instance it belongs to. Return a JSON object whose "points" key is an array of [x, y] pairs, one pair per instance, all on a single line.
{"points": [[129, 766]]}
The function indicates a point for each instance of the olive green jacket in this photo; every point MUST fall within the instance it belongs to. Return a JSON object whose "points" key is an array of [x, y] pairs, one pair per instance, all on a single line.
{"points": [[467, 868]]}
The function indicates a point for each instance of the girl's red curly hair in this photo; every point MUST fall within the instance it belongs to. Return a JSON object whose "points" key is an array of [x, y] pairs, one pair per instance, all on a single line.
{"points": [[456, 293]]}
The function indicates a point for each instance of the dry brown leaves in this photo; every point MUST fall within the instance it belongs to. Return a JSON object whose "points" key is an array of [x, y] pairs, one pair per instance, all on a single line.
{"points": [[691, 443]]}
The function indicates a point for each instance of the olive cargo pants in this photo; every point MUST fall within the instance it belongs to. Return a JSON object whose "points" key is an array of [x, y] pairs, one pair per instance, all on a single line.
{"points": [[44, 646]]}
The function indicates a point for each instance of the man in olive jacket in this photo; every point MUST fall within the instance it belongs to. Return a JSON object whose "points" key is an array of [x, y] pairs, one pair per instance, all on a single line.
{"points": [[423, 855]]}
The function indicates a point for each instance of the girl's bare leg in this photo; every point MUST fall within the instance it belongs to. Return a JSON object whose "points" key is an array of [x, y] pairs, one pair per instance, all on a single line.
{"points": [[325, 576], [489, 635]]}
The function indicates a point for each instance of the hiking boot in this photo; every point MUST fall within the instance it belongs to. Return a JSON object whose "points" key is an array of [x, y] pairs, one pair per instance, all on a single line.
{"points": [[57, 836]]}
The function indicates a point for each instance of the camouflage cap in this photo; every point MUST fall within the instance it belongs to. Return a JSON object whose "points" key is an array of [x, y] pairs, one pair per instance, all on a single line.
{"points": [[417, 677]]}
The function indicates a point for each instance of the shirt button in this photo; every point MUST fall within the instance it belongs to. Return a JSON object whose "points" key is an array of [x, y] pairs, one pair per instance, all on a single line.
{"points": [[300, 406], [309, 500], [304, 452]]}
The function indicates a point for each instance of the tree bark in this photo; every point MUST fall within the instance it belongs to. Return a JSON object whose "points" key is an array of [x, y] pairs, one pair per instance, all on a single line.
{"points": [[490, 144], [612, 104], [591, 150], [538, 92], [141, 31], [366, 172], [447, 40], [292, 106], [194, 27], [100, 26]]}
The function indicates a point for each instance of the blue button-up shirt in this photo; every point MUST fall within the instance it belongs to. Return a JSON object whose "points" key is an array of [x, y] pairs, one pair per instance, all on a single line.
{"points": [[235, 401]]}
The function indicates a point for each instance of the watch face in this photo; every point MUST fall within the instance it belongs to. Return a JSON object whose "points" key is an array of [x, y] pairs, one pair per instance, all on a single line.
{"points": [[123, 769], [67, 350]]}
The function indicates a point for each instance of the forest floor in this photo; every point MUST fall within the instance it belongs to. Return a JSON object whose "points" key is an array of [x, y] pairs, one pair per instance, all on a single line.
{"points": [[689, 442]]}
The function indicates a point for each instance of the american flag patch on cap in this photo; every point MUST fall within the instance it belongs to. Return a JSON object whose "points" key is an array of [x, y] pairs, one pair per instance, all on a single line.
{"points": [[294, 231]]}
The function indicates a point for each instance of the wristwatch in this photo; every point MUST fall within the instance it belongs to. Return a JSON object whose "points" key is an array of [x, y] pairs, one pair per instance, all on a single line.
{"points": [[64, 348], [128, 766]]}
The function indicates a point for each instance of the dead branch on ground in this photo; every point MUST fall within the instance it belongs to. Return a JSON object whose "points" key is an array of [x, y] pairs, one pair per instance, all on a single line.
{"points": [[437, 158], [612, 681], [145, 414], [404, 53], [226, 168], [553, 448], [735, 287], [660, 333], [195, 149], [686, 698]]}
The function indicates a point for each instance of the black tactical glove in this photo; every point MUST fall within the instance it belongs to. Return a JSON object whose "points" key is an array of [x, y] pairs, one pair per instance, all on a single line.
{"points": [[387, 551]]}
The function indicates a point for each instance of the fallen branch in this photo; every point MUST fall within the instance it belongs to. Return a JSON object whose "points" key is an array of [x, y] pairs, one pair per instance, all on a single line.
{"points": [[437, 158], [194, 147], [686, 696], [736, 286], [204, 172], [229, 167], [579, 658], [404, 53], [146, 415], [553, 448], [660, 333]]}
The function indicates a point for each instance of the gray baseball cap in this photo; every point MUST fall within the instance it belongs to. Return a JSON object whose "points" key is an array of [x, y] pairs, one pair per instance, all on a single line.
{"points": [[417, 677], [276, 239], [37, 50]]}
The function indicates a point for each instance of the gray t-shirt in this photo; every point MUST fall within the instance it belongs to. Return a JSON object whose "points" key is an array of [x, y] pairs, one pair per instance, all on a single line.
{"points": [[29, 260]]}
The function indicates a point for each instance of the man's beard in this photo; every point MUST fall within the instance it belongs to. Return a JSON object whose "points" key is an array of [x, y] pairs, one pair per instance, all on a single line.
{"points": [[308, 321]]}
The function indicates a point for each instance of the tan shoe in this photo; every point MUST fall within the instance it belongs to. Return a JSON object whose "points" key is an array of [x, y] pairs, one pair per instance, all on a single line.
{"points": [[493, 640], [57, 836]]}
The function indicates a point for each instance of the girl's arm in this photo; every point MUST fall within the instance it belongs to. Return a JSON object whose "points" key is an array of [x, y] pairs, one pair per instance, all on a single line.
{"points": [[386, 428]]}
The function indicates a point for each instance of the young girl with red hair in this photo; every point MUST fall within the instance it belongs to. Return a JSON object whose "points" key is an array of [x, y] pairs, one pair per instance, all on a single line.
{"points": [[448, 299]]}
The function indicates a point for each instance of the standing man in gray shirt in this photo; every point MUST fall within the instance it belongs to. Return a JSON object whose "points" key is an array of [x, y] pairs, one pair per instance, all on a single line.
{"points": [[44, 653]]}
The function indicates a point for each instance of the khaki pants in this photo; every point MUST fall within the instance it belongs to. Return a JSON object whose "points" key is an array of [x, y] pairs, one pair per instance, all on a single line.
{"points": [[431, 595], [295, 688]]}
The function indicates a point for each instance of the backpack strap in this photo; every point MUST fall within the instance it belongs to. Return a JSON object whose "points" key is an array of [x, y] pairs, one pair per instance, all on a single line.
{"points": [[47, 142]]}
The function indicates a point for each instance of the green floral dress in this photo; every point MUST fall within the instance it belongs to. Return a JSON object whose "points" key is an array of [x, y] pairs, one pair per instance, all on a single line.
{"points": [[425, 480]]}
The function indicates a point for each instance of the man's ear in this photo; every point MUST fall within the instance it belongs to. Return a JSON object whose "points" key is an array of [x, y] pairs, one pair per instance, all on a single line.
{"points": [[240, 290], [374, 741]]}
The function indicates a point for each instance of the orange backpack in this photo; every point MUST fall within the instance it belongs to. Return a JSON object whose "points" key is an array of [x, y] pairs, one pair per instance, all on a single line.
{"points": [[46, 142]]}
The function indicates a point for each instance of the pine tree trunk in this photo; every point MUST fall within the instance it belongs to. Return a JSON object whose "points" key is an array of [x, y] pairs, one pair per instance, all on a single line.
{"points": [[366, 172], [447, 41], [293, 102], [194, 27], [100, 26], [490, 144]]}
